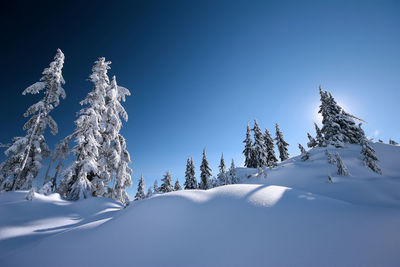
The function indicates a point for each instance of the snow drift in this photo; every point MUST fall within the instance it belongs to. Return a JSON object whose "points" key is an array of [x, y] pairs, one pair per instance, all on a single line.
{"points": [[292, 217]]}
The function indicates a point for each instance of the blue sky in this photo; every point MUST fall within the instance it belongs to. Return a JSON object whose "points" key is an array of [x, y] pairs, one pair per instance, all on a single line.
{"points": [[200, 70]]}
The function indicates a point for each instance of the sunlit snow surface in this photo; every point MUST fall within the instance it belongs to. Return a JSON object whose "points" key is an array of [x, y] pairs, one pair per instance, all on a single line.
{"points": [[293, 217]]}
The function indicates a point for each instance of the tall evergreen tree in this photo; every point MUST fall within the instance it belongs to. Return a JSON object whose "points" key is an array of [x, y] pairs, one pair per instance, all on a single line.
{"points": [[166, 186], [248, 151], [177, 185], [232, 173], [205, 172], [26, 153], [83, 177], [222, 175], [305, 155], [113, 153], [281, 144], [311, 141], [342, 169], [260, 149], [140, 190], [190, 175], [269, 143], [370, 158]]}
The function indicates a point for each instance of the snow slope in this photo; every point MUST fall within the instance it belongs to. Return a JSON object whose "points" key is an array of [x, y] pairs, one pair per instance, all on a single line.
{"points": [[294, 217]]}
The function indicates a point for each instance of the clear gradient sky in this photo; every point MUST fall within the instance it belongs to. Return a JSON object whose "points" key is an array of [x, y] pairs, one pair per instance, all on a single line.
{"points": [[200, 70]]}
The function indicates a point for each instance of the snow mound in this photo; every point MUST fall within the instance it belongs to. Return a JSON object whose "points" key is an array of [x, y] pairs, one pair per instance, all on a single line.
{"points": [[294, 217]]}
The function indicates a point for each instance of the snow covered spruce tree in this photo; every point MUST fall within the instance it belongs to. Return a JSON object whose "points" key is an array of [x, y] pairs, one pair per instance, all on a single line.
{"points": [[177, 185], [342, 169], [260, 149], [190, 175], [338, 126], [26, 153], [319, 138], [232, 173], [140, 190], [205, 173], [370, 158], [248, 151], [166, 186], [83, 177], [222, 177], [311, 141], [281, 144], [269, 143], [305, 155], [113, 153]]}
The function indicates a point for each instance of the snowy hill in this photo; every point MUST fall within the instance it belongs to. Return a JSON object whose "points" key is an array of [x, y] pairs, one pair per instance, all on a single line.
{"points": [[293, 217]]}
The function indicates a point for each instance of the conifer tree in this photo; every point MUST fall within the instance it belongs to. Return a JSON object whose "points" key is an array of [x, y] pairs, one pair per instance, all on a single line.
{"points": [[281, 144], [248, 151], [338, 126], [319, 138], [311, 141], [114, 157], [166, 186], [156, 189], [260, 149], [177, 185], [205, 173], [140, 190], [232, 173], [269, 143], [342, 169], [83, 177], [305, 155], [222, 175], [190, 175], [26, 153], [370, 158]]}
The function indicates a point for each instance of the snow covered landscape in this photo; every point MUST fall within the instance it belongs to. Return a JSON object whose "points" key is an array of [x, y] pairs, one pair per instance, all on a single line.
{"points": [[260, 133], [292, 217]]}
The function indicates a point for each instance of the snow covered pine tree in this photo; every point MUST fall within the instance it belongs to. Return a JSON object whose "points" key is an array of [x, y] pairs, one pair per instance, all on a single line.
{"points": [[260, 149], [311, 141], [205, 172], [232, 173], [248, 151], [370, 159], [305, 155], [190, 175], [222, 177], [281, 144], [26, 153], [269, 143], [140, 190], [177, 185], [166, 186]]}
